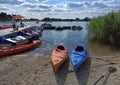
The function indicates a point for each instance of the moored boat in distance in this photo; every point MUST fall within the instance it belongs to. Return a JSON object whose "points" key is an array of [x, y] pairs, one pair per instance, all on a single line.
{"points": [[46, 25], [78, 57], [58, 56]]}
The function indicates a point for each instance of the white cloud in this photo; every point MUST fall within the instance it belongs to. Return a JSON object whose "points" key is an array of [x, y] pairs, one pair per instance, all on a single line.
{"points": [[44, 6], [99, 5], [12, 2], [28, 5], [41, 0], [38, 10], [4, 9], [75, 5]]}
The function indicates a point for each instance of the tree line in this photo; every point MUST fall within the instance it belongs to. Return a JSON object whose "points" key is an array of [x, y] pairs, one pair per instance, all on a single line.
{"points": [[5, 17], [59, 19], [8, 17]]}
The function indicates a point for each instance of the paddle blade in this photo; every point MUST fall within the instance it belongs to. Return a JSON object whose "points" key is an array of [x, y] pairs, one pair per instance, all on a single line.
{"points": [[114, 62], [112, 69]]}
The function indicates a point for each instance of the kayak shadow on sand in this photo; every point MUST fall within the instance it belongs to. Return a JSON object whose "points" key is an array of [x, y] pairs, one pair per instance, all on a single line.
{"points": [[61, 74], [83, 72]]}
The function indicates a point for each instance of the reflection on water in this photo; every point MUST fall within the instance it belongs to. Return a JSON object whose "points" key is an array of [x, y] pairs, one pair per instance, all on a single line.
{"points": [[51, 38]]}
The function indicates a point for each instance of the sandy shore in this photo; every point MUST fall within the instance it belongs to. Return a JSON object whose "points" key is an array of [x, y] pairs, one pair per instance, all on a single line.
{"points": [[37, 70]]}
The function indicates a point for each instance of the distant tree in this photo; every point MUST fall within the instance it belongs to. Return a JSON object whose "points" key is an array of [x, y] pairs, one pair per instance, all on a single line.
{"points": [[5, 16], [46, 19], [86, 19], [77, 19], [9, 17]]}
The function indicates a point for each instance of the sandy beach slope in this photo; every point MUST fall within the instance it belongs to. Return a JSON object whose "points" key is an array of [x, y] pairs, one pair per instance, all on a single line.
{"points": [[37, 70]]}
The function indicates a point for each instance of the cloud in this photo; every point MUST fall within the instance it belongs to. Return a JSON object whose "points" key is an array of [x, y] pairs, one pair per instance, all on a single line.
{"points": [[38, 6], [78, 5], [29, 5], [44, 6], [37, 10], [11, 2], [75, 5], [3, 9], [59, 10], [87, 4], [41, 0], [99, 5]]}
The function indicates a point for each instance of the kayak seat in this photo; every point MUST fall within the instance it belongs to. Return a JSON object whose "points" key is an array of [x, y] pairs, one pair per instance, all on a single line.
{"points": [[79, 48], [60, 47]]}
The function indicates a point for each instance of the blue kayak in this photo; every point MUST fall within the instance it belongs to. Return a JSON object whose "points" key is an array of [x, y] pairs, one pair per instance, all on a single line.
{"points": [[78, 57]]}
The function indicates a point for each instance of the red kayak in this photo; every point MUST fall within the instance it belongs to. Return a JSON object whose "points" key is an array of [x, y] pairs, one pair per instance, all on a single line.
{"points": [[19, 48]]}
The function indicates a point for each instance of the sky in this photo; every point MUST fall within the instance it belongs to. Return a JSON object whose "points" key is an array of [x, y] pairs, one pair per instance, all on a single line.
{"points": [[65, 9]]}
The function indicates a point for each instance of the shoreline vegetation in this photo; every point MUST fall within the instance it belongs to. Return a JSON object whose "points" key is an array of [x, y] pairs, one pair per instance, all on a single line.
{"points": [[106, 29], [4, 17]]}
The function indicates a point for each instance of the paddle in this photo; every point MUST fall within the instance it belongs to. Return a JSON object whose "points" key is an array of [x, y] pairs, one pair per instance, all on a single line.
{"points": [[109, 70], [111, 62]]}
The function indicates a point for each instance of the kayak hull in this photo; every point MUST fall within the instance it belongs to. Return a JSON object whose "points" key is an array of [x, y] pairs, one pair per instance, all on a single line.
{"points": [[58, 57], [78, 58], [19, 48]]}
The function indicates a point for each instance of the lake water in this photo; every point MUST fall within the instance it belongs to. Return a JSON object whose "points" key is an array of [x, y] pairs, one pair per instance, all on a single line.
{"points": [[52, 38], [70, 38]]}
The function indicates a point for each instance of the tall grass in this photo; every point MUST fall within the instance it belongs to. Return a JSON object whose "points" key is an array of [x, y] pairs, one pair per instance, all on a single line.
{"points": [[107, 28]]}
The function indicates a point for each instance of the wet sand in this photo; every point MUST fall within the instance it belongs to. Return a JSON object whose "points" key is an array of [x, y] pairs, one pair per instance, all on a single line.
{"points": [[26, 69]]}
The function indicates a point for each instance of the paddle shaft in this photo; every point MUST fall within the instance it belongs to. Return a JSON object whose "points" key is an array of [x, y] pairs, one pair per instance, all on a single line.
{"points": [[110, 70], [100, 78]]}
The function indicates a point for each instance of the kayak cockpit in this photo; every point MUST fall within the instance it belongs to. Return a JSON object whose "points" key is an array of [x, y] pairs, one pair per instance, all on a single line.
{"points": [[79, 48], [60, 47]]}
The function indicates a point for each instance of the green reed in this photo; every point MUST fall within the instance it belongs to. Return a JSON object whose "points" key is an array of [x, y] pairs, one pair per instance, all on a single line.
{"points": [[106, 28]]}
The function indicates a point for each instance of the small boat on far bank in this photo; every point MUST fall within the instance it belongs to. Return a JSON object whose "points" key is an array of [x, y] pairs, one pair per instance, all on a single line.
{"points": [[8, 50], [78, 57], [58, 56]]}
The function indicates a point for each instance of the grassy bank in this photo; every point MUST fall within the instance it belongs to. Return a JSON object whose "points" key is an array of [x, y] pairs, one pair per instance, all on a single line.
{"points": [[107, 29]]}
